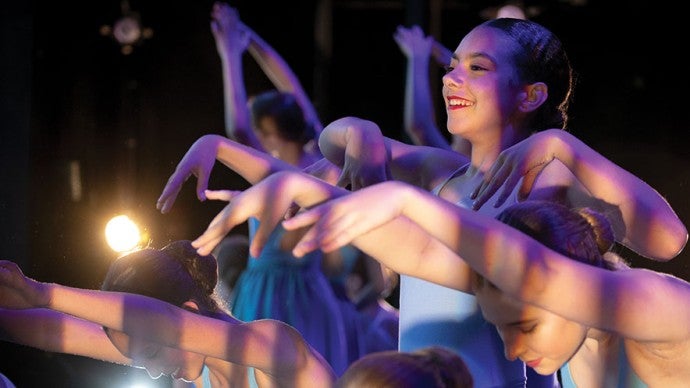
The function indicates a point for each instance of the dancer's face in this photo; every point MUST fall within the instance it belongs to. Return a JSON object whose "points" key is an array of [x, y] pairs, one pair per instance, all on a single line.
{"points": [[156, 359], [481, 88], [543, 340]]}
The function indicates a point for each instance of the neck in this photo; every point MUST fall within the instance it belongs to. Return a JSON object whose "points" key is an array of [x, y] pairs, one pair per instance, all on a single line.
{"points": [[485, 151], [291, 153]]}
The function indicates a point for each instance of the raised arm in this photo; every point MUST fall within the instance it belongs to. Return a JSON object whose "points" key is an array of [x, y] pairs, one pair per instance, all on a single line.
{"points": [[649, 224], [231, 41], [282, 76], [419, 117], [365, 155]]}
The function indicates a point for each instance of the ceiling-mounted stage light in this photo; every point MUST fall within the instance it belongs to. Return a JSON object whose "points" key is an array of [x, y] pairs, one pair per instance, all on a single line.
{"points": [[127, 30]]}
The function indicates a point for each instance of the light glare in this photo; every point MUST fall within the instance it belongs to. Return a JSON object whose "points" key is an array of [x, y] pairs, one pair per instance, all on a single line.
{"points": [[122, 234]]}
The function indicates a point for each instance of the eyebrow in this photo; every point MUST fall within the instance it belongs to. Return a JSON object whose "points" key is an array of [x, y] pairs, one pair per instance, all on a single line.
{"points": [[520, 323], [477, 54]]}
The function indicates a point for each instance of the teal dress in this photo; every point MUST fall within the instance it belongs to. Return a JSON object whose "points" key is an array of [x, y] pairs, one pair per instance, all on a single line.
{"points": [[626, 376], [279, 286]]}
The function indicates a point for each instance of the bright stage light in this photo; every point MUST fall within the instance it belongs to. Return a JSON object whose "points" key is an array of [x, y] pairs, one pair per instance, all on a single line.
{"points": [[122, 234]]}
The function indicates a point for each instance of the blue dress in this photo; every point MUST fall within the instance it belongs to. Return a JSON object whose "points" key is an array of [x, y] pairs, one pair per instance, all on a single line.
{"points": [[277, 285], [431, 314]]}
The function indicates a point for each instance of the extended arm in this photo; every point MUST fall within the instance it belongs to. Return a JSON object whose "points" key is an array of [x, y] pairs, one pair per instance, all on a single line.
{"points": [[636, 302], [53, 331], [365, 155], [276, 349], [649, 224], [401, 246], [253, 165]]}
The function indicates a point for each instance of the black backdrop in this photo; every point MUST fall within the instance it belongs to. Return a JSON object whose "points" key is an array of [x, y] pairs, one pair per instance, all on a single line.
{"points": [[68, 95]]}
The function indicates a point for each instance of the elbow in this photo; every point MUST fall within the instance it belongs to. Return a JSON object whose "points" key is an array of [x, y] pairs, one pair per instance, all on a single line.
{"points": [[675, 245], [665, 245]]}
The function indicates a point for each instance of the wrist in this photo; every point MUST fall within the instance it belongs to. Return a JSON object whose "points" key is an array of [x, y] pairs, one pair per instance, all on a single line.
{"points": [[44, 294]]}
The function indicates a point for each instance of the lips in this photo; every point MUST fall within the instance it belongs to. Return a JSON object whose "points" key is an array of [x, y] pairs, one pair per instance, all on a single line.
{"points": [[534, 363], [455, 102]]}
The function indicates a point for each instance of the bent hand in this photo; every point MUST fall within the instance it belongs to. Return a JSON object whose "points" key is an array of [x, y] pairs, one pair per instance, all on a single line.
{"points": [[198, 161], [525, 160], [338, 222], [365, 161], [18, 291]]}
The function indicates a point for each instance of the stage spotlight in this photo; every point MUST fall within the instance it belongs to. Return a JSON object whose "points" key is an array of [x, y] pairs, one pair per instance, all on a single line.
{"points": [[122, 234]]}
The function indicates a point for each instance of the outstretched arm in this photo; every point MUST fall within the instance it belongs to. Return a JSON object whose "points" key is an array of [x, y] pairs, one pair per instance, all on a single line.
{"points": [[53, 331], [649, 224], [276, 349], [401, 246], [253, 165], [636, 302], [366, 156]]}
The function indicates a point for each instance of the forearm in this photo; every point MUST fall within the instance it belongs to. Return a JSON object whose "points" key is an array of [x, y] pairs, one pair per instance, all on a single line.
{"points": [[354, 138], [419, 117], [351, 136], [441, 54], [405, 248], [53, 331], [281, 75], [238, 124], [252, 164], [652, 228], [505, 256]]}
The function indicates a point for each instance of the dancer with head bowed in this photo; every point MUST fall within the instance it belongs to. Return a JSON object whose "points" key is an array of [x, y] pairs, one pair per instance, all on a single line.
{"points": [[619, 327], [138, 319], [157, 310]]}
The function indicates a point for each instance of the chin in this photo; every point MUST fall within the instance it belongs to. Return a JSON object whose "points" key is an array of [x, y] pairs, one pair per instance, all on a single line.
{"points": [[545, 370]]}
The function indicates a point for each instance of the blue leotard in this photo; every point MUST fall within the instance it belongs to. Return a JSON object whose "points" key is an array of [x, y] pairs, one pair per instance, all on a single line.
{"points": [[431, 314]]}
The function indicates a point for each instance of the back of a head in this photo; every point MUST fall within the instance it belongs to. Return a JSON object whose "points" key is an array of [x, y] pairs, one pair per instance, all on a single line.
{"points": [[174, 274], [581, 234], [287, 114], [433, 367], [542, 59]]}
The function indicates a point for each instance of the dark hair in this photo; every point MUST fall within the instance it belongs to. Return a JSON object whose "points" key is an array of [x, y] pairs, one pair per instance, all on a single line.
{"points": [[432, 367], [542, 59], [287, 114], [174, 274], [581, 234]]}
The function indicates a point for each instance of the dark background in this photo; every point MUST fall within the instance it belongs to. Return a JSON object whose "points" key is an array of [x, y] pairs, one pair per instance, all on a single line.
{"points": [[68, 94]]}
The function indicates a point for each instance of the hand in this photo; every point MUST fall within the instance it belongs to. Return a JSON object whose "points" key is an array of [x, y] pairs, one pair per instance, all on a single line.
{"points": [[412, 42], [198, 161], [18, 291], [525, 160], [267, 200], [337, 222], [227, 29], [359, 172], [324, 170]]}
